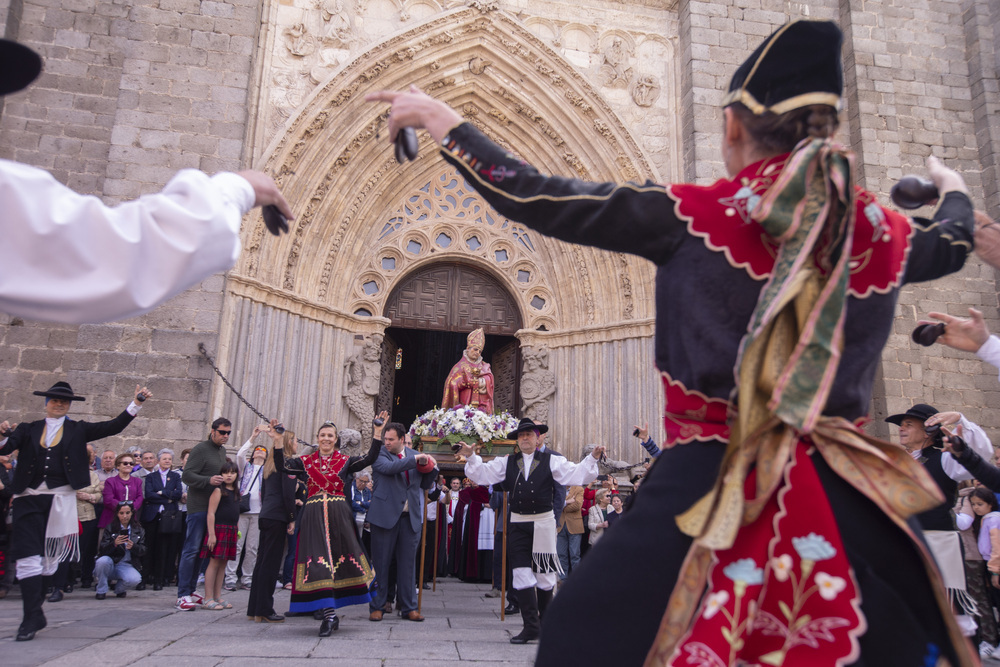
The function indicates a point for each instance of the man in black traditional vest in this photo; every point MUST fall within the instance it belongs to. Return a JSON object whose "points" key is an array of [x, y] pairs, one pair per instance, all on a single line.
{"points": [[926, 447], [529, 477], [52, 464]]}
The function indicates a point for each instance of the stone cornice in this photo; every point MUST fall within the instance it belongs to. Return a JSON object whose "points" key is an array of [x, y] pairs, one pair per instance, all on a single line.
{"points": [[295, 304], [588, 335]]}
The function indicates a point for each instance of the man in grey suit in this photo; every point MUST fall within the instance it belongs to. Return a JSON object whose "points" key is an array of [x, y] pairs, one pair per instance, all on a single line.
{"points": [[395, 518]]}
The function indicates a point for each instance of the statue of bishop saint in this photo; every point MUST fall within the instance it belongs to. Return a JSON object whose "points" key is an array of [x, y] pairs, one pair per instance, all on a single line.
{"points": [[470, 381]]}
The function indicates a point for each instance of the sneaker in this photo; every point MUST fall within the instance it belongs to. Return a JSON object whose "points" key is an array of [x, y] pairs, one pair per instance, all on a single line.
{"points": [[986, 649], [186, 604], [197, 599], [229, 587]]}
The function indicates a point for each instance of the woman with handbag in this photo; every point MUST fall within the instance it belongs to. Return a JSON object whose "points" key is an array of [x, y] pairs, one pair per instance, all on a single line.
{"points": [[161, 520], [250, 501]]}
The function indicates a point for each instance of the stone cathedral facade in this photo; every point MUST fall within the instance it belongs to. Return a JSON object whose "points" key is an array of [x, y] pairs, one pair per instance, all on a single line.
{"points": [[390, 266]]}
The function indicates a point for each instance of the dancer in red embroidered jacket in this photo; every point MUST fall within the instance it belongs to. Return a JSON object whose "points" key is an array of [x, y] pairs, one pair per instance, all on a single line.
{"points": [[780, 532]]}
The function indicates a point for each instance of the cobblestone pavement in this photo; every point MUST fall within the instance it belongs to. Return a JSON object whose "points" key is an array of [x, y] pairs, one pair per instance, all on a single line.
{"points": [[145, 630]]}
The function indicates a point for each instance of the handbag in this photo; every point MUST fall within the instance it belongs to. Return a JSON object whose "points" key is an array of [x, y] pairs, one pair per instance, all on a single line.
{"points": [[245, 498], [171, 521]]}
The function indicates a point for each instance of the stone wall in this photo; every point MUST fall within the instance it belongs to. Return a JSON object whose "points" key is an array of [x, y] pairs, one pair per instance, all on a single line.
{"points": [[133, 92], [130, 93]]}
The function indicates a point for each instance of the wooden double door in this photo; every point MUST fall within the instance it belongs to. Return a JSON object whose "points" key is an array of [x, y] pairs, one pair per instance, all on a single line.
{"points": [[432, 312]]}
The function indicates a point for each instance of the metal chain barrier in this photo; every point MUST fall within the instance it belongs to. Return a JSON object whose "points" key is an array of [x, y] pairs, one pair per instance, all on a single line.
{"points": [[236, 392]]}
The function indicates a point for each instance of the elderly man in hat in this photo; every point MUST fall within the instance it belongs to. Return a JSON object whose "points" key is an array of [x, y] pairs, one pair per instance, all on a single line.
{"points": [[756, 272], [52, 464], [922, 430], [529, 476], [119, 262]]}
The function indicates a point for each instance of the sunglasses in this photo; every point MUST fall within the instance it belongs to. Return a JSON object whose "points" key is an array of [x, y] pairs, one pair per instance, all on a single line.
{"points": [[222, 432], [127, 463]]}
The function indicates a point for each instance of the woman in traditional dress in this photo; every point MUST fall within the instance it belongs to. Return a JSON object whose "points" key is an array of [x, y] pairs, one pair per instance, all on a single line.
{"points": [[331, 569], [776, 530]]}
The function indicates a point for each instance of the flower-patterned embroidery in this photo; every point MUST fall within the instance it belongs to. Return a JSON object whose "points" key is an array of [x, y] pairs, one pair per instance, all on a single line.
{"points": [[714, 603], [721, 215], [828, 585]]}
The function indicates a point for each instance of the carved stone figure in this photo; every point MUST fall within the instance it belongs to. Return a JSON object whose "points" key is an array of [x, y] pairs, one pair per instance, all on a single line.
{"points": [[538, 383], [615, 71], [298, 41], [470, 381], [646, 90], [339, 30], [478, 65], [363, 371]]}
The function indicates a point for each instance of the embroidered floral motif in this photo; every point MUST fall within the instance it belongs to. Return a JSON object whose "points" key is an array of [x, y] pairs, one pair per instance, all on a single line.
{"points": [[721, 215], [813, 547], [781, 567], [714, 603], [828, 585]]}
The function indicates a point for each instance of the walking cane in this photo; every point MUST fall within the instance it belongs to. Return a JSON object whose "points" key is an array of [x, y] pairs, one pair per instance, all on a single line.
{"points": [[423, 548], [503, 564], [437, 545]]}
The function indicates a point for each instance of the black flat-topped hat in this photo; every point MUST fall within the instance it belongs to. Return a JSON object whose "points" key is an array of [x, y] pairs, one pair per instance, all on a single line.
{"points": [[60, 390], [19, 66], [920, 411], [798, 65], [527, 425]]}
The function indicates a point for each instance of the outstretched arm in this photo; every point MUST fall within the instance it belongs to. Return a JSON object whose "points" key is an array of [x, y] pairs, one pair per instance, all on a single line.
{"points": [[122, 261]]}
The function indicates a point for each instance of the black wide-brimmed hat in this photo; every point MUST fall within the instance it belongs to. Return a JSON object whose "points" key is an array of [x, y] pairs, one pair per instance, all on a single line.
{"points": [[920, 411], [798, 65], [19, 66], [527, 425], [60, 390]]}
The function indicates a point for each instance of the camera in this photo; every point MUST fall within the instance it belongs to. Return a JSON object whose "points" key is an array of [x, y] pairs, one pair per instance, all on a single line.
{"points": [[279, 429], [636, 432], [933, 429]]}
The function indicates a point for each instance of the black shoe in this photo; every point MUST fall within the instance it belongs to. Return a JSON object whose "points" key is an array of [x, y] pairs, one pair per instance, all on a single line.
{"points": [[318, 615], [140, 587], [511, 609], [529, 614], [427, 586], [157, 587], [57, 595], [68, 588], [86, 583], [121, 595], [328, 626], [273, 618], [100, 596]]}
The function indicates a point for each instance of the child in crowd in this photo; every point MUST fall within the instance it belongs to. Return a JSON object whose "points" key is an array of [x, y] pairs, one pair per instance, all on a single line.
{"points": [[222, 536], [986, 526]]}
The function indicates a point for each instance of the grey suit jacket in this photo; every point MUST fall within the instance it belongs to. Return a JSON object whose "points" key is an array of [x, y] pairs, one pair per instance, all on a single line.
{"points": [[391, 489]]}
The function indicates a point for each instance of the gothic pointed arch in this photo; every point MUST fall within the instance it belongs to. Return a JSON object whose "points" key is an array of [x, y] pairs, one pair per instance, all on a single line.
{"points": [[332, 160]]}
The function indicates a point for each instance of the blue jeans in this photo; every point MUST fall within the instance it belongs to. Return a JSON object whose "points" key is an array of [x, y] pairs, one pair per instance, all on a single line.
{"points": [[105, 568], [568, 548], [190, 565]]}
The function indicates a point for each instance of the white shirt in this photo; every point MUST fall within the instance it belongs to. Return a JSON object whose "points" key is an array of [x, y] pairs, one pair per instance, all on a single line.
{"points": [[53, 425], [990, 351], [563, 471], [70, 258], [980, 443]]}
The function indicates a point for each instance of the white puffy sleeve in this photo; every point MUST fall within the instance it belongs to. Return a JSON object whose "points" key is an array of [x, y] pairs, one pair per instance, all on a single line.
{"points": [[70, 258]]}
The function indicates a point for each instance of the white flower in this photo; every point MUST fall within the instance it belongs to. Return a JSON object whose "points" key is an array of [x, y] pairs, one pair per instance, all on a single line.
{"points": [[829, 586], [781, 567], [714, 603]]}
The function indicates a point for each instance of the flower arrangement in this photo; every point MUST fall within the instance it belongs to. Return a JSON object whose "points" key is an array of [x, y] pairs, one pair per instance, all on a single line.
{"points": [[463, 423]]}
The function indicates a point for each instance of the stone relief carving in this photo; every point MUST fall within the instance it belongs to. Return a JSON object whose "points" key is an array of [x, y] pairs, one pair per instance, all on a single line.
{"points": [[478, 65], [615, 72], [298, 41], [646, 90], [339, 28], [363, 370], [484, 6], [538, 384]]}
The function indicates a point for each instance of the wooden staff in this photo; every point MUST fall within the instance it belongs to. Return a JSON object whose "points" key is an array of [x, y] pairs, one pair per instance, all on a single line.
{"points": [[423, 548], [437, 545], [503, 564]]}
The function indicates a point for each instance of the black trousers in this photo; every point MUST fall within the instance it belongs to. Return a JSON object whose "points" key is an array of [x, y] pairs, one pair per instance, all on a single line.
{"points": [[265, 571], [88, 549]]}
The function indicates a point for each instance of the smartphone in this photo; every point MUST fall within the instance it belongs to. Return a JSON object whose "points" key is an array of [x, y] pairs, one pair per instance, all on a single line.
{"points": [[635, 433], [456, 448]]}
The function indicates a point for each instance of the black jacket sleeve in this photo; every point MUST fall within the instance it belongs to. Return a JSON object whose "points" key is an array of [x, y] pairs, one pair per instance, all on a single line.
{"points": [[359, 463], [292, 466], [97, 430], [627, 217], [940, 245], [986, 473]]}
